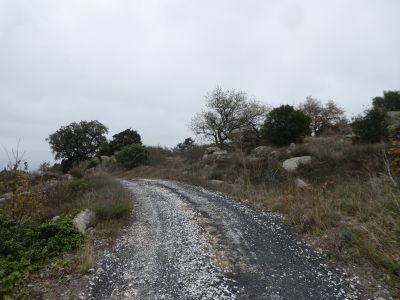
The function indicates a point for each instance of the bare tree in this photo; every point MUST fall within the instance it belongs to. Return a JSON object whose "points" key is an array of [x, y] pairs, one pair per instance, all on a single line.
{"points": [[226, 112], [323, 117]]}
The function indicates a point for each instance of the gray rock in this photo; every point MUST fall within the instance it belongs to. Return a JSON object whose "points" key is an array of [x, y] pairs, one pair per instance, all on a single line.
{"points": [[293, 163], [55, 218], [301, 184], [8, 196], [262, 151], [274, 154], [84, 219]]}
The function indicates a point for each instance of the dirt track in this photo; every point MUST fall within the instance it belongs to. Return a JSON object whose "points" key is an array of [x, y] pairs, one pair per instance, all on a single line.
{"points": [[189, 243]]}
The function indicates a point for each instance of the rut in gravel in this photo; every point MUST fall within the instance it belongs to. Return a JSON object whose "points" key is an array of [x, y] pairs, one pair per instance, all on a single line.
{"points": [[189, 243]]}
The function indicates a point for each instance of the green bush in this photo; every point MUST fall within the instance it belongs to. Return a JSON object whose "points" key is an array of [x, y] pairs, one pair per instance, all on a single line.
{"points": [[285, 125], [132, 156], [372, 127], [123, 139], [25, 247], [389, 102]]}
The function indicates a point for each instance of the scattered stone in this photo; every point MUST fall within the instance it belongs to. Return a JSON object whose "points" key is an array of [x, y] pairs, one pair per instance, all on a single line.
{"points": [[293, 163], [84, 219], [275, 154], [301, 184], [8, 196], [262, 151], [55, 218]]}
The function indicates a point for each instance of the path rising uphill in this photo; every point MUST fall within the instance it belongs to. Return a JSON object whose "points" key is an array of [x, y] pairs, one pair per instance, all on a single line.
{"points": [[190, 243]]}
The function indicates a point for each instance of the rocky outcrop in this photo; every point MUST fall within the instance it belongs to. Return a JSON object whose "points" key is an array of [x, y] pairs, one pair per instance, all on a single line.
{"points": [[293, 163], [84, 219]]}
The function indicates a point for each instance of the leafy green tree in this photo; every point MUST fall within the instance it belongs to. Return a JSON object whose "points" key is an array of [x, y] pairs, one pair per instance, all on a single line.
{"points": [[372, 127], [285, 125], [124, 138], [389, 102], [77, 142], [132, 156]]}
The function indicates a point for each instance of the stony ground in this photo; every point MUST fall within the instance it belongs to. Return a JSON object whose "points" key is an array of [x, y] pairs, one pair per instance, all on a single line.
{"points": [[189, 243]]}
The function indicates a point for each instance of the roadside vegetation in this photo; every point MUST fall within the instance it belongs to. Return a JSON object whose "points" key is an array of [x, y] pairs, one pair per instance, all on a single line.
{"points": [[37, 227], [345, 200]]}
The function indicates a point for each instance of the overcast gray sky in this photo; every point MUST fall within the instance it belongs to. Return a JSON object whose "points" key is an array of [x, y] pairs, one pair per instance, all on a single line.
{"points": [[148, 64]]}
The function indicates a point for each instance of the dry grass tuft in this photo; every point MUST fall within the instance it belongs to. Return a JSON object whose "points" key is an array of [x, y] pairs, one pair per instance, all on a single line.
{"points": [[86, 259]]}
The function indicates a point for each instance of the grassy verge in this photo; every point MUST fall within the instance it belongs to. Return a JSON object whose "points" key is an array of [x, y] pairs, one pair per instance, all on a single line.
{"points": [[38, 235]]}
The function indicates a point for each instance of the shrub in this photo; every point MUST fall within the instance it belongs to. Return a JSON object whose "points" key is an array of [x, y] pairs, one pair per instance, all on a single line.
{"points": [[285, 125], [389, 102], [372, 127], [124, 138], [25, 247], [132, 156]]}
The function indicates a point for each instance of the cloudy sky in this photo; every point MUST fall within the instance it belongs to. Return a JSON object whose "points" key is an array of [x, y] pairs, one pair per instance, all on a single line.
{"points": [[147, 64]]}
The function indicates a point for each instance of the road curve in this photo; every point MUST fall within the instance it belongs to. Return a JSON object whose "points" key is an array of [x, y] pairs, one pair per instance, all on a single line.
{"points": [[190, 243]]}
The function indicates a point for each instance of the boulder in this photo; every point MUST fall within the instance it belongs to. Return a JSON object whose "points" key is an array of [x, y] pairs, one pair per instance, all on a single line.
{"points": [[84, 219], [293, 163], [262, 151], [301, 184]]}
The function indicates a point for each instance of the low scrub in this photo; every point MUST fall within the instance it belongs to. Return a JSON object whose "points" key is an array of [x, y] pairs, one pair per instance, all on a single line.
{"points": [[26, 246], [36, 223]]}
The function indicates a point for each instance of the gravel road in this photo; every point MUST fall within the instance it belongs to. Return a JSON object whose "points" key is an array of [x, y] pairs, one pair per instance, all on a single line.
{"points": [[190, 243]]}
